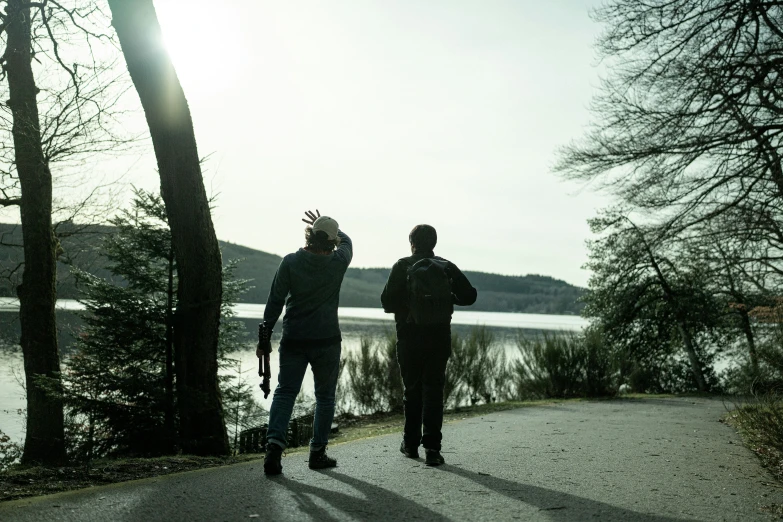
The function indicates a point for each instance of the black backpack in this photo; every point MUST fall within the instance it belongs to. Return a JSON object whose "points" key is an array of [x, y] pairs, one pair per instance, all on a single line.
{"points": [[429, 292]]}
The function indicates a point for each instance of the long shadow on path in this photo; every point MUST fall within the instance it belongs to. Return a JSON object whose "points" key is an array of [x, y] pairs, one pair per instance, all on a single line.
{"points": [[378, 503], [559, 506]]}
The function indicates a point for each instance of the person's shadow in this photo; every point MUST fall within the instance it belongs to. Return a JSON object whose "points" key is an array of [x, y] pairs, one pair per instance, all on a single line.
{"points": [[381, 504], [378, 503], [558, 505]]}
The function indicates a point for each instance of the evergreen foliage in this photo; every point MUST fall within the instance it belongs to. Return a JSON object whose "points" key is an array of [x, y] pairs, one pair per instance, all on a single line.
{"points": [[120, 383]]}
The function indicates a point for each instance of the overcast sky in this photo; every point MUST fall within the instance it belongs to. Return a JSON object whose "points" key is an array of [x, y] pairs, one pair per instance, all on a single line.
{"points": [[388, 114]]}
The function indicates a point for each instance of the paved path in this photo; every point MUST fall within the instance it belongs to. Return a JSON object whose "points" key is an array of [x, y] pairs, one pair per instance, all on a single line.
{"points": [[652, 460]]}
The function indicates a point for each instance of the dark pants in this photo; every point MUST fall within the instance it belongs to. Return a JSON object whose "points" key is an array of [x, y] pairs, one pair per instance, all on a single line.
{"points": [[422, 353]]}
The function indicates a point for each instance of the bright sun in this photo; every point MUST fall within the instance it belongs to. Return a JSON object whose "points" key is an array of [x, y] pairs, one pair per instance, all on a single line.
{"points": [[195, 43]]}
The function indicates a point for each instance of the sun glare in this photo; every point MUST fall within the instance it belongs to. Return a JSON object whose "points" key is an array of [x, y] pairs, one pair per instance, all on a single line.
{"points": [[196, 44]]}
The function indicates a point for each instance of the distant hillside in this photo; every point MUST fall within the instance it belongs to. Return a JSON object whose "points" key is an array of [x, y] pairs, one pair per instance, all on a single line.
{"points": [[362, 286], [496, 293]]}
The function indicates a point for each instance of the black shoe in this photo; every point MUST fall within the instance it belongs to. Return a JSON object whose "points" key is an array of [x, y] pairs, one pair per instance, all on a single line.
{"points": [[320, 460], [272, 464], [433, 458], [408, 451]]}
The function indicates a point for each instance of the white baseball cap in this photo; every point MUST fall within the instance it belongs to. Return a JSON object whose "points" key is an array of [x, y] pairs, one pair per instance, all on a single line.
{"points": [[327, 225]]}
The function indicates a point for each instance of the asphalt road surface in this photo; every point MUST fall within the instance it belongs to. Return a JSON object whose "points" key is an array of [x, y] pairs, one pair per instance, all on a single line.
{"points": [[648, 460]]}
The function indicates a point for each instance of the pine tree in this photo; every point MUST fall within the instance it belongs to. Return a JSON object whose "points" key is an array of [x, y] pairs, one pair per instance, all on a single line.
{"points": [[240, 408], [121, 381]]}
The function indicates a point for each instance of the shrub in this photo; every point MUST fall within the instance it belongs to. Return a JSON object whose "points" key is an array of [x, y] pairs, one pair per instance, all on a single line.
{"points": [[676, 374], [600, 365], [454, 388], [119, 383], [10, 451], [374, 381], [761, 419], [563, 365], [341, 395], [476, 371], [365, 371], [240, 408], [483, 365], [391, 384], [667, 370], [550, 366], [742, 378]]}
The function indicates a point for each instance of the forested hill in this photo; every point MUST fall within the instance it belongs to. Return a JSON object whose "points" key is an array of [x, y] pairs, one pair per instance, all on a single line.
{"points": [[361, 287]]}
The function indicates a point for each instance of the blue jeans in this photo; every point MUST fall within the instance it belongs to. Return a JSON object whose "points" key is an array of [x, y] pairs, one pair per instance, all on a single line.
{"points": [[325, 362]]}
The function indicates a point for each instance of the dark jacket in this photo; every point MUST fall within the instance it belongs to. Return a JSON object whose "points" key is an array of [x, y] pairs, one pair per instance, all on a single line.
{"points": [[395, 294], [309, 286]]}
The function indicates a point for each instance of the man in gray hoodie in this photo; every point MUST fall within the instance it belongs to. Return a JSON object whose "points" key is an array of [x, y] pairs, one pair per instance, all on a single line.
{"points": [[308, 283]]}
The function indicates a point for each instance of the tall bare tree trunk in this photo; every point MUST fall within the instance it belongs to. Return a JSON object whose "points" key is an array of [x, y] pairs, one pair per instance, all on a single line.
{"points": [[199, 292], [671, 298], [693, 357], [748, 330], [44, 442]]}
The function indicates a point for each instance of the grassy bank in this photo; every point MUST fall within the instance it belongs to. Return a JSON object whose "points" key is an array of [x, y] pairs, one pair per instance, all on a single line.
{"points": [[23, 481], [760, 423]]}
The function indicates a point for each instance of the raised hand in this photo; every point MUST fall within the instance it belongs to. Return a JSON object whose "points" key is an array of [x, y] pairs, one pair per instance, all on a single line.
{"points": [[311, 217]]}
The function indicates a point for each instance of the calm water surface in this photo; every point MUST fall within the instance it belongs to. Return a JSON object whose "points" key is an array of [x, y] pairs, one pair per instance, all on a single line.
{"points": [[354, 323]]}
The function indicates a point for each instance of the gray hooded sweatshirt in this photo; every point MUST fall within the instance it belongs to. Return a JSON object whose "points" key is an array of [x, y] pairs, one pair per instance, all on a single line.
{"points": [[309, 286]]}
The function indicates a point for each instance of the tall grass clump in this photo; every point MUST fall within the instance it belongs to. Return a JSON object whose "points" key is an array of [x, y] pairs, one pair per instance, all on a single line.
{"points": [[374, 383], [477, 369], [391, 385], [454, 387], [341, 395], [364, 374], [563, 365], [600, 375], [762, 417]]}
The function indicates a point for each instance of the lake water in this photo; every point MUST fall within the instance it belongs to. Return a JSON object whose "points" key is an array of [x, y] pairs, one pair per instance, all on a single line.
{"points": [[461, 317], [354, 323]]}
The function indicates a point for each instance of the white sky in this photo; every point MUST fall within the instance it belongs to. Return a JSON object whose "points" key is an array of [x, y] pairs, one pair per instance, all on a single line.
{"points": [[389, 114]]}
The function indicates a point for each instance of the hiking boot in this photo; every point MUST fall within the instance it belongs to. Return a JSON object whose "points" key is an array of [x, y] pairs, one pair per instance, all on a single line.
{"points": [[320, 460], [433, 458], [272, 464], [408, 451]]}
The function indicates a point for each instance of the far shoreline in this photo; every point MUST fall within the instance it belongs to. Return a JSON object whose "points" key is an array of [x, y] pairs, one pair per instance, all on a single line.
{"points": [[528, 321]]}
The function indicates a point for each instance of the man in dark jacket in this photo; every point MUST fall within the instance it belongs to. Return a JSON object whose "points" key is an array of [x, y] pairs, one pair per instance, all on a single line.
{"points": [[423, 349], [308, 283]]}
